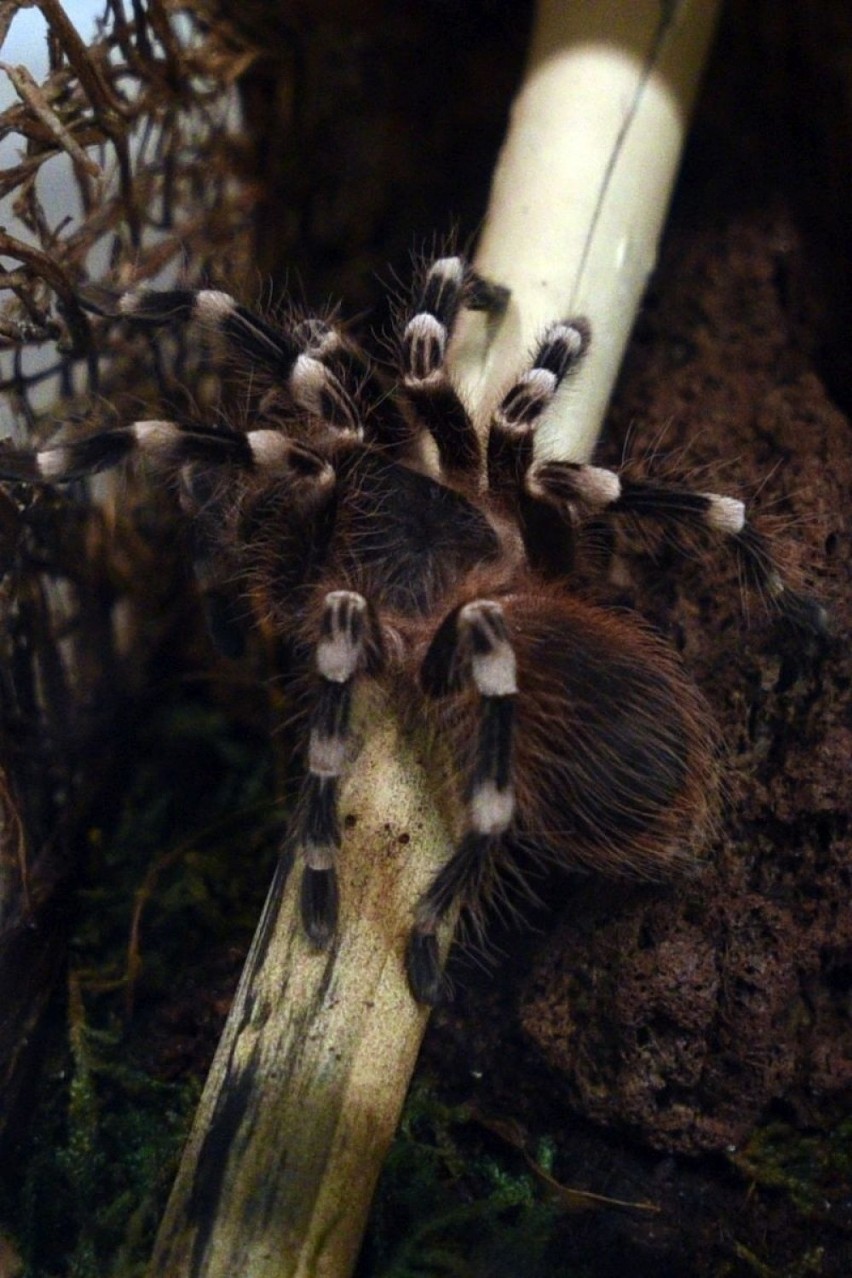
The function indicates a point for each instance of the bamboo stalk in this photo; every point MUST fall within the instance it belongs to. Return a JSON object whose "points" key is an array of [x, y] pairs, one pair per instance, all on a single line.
{"points": [[312, 1070]]}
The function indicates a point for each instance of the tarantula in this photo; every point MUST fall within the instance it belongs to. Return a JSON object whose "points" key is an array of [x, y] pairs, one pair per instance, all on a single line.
{"points": [[445, 570]]}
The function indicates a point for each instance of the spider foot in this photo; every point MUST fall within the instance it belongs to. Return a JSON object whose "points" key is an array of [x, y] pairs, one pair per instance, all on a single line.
{"points": [[804, 614], [423, 967], [319, 905]]}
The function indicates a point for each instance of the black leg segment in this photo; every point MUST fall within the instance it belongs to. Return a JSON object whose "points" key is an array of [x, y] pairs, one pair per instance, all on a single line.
{"points": [[349, 644], [445, 289], [472, 646]]}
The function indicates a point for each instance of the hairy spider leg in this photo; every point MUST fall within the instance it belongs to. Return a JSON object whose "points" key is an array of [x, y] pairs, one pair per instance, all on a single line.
{"points": [[677, 508], [512, 428], [472, 645], [198, 454], [382, 422], [327, 376], [448, 285], [511, 436], [301, 481], [308, 360], [349, 644], [167, 443]]}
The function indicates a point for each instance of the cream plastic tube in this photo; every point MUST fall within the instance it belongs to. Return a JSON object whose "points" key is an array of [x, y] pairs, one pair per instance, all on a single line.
{"points": [[580, 194]]}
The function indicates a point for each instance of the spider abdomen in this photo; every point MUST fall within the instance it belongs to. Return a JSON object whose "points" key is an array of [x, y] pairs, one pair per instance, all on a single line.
{"points": [[613, 746]]}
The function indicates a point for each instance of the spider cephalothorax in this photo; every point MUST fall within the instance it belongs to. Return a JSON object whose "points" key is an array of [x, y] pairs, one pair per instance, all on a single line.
{"points": [[445, 571]]}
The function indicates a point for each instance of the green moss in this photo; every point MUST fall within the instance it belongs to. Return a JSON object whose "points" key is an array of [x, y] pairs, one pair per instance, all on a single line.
{"points": [[453, 1203], [813, 1168], [100, 1156]]}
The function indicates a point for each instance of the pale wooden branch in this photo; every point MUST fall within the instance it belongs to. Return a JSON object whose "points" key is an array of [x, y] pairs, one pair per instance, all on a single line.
{"points": [[305, 1091], [312, 1070]]}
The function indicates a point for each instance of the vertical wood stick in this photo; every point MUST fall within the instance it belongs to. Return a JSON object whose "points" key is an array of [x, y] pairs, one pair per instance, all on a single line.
{"points": [[310, 1076]]}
